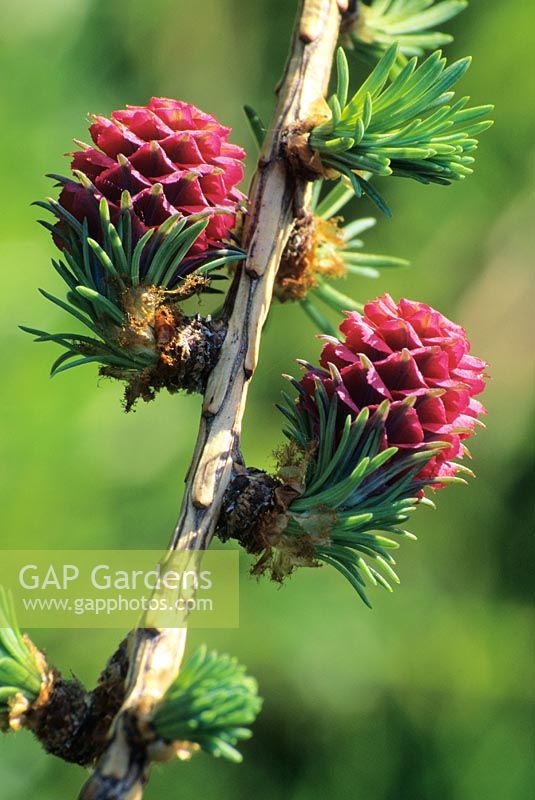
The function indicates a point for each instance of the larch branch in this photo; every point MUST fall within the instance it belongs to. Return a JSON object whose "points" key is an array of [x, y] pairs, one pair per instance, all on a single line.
{"points": [[276, 198]]}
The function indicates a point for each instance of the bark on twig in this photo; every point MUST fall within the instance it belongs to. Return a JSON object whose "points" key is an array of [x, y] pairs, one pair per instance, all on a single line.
{"points": [[277, 197], [72, 723]]}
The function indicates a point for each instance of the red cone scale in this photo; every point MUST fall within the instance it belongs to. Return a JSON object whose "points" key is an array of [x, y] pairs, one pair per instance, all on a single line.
{"points": [[170, 157], [418, 360]]}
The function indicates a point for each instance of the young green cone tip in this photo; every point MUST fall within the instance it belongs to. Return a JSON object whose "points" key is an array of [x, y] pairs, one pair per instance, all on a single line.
{"points": [[209, 706], [409, 23], [410, 125], [23, 670]]}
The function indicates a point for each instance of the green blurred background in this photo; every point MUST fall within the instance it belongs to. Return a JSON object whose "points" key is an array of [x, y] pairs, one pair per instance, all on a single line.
{"points": [[429, 695]]}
